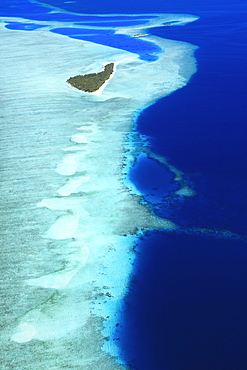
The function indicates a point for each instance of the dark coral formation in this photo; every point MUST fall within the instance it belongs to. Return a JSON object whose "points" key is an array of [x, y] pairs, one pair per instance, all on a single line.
{"points": [[93, 81]]}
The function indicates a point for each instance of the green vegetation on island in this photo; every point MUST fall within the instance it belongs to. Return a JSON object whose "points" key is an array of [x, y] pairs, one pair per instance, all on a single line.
{"points": [[93, 81]]}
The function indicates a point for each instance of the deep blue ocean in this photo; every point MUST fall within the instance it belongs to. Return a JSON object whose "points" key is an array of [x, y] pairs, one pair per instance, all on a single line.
{"points": [[186, 305]]}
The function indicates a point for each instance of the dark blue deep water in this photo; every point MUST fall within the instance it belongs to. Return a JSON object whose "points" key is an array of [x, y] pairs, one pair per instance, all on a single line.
{"points": [[202, 127], [186, 306]]}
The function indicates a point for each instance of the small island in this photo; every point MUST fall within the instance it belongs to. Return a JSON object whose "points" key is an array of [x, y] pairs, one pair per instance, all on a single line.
{"points": [[140, 34], [93, 81]]}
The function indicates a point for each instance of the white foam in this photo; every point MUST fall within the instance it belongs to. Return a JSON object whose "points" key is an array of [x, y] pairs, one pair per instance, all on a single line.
{"points": [[65, 227], [72, 186], [68, 166], [60, 279], [79, 138], [61, 203], [24, 333], [46, 324]]}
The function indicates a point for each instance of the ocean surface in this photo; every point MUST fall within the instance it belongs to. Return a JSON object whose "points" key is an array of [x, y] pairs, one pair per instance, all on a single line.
{"points": [[186, 308], [185, 303]]}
